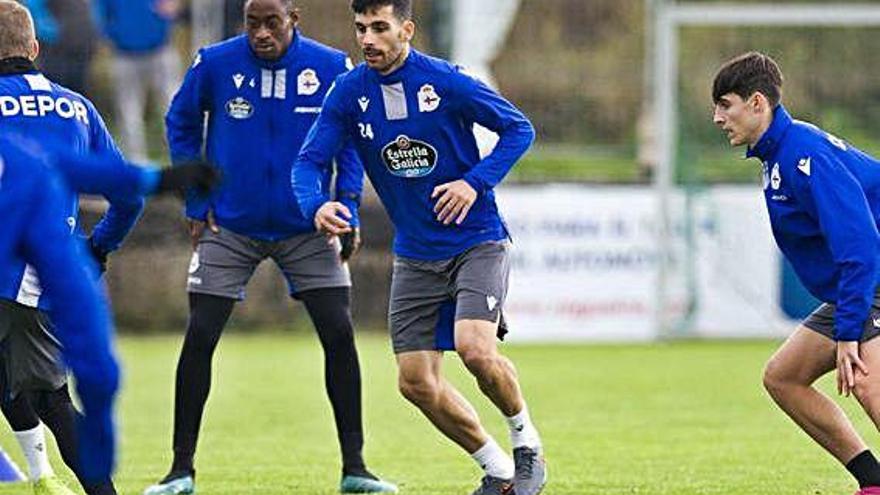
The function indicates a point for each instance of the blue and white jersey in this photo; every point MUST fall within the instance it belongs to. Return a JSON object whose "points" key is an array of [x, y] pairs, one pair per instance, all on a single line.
{"points": [[823, 197], [258, 115], [33, 106], [32, 199], [413, 130]]}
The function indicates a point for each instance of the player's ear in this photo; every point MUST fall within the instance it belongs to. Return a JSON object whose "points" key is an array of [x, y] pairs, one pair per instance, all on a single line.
{"points": [[408, 30], [35, 50], [294, 17], [757, 102]]}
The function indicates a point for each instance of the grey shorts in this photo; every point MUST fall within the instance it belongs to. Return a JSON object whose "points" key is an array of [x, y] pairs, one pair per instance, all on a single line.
{"points": [[30, 354], [224, 263], [821, 320], [428, 297]]}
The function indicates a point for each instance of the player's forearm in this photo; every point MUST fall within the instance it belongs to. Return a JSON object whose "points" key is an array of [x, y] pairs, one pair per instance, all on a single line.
{"points": [[306, 180], [349, 173], [349, 182], [353, 203], [512, 145], [185, 142], [107, 175], [855, 297], [117, 223], [185, 124]]}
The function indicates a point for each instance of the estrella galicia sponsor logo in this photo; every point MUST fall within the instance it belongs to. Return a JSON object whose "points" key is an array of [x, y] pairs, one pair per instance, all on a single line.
{"points": [[410, 158], [239, 108]]}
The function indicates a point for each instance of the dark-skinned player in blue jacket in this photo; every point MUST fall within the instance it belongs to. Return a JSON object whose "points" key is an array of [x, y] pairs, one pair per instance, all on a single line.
{"points": [[823, 197], [35, 189], [411, 119], [247, 104]]}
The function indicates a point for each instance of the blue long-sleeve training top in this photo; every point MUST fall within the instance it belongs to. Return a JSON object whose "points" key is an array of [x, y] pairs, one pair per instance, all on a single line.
{"points": [[823, 197], [34, 229], [33, 106], [258, 115], [413, 130], [34, 185]]}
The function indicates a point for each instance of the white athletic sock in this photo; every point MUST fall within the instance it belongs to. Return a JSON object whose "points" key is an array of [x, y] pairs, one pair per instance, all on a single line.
{"points": [[522, 432], [33, 444], [494, 461]]}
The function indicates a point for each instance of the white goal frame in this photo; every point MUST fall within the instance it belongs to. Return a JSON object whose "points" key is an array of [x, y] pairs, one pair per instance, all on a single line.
{"points": [[669, 17]]}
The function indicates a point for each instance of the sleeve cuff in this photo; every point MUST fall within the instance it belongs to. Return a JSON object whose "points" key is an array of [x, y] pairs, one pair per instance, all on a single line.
{"points": [[848, 335], [150, 180], [353, 206], [197, 211], [476, 183], [310, 208]]}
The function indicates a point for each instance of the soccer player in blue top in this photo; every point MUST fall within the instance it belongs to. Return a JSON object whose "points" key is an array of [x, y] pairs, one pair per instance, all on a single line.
{"points": [[32, 105], [823, 197], [261, 92], [411, 119], [35, 190], [34, 230]]}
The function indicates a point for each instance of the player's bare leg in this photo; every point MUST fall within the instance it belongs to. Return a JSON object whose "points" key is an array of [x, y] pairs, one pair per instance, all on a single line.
{"points": [[420, 381], [475, 341], [867, 389], [495, 374], [789, 378]]}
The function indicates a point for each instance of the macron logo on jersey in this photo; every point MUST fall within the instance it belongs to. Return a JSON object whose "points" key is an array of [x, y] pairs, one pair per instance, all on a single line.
{"points": [[40, 106]]}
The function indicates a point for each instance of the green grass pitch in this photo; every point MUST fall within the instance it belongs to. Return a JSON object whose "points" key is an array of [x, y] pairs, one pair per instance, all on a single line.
{"points": [[677, 419]]}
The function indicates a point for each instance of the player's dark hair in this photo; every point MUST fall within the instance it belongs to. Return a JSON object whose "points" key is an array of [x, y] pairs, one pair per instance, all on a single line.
{"points": [[402, 8], [748, 74]]}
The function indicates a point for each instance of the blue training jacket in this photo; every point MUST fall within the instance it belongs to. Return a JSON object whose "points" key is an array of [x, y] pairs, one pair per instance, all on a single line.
{"points": [[34, 187], [134, 26], [258, 115], [33, 106], [823, 196], [413, 129]]}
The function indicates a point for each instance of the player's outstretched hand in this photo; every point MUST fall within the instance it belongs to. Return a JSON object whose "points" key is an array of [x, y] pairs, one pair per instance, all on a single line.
{"points": [[848, 364], [201, 176], [197, 228], [456, 199], [351, 244], [332, 218]]}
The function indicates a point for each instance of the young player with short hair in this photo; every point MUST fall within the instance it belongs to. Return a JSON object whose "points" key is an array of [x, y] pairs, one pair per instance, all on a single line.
{"points": [[823, 197]]}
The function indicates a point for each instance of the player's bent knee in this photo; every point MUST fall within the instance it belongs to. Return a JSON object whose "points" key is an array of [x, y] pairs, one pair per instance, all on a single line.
{"points": [[774, 380], [419, 391], [866, 390], [481, 364]]}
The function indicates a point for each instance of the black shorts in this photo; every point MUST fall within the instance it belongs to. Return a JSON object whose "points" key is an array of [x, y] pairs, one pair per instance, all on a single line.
{"points": [[30, 356], [821, 320]]}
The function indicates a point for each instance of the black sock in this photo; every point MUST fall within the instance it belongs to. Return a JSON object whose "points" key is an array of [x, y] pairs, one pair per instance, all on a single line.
{"points": [[330, 311], [57, 412], [865, 469], [207, 317]]}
